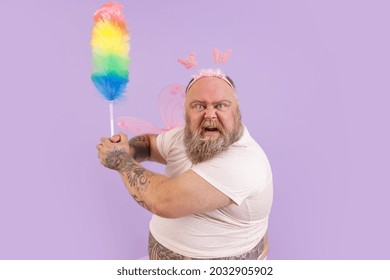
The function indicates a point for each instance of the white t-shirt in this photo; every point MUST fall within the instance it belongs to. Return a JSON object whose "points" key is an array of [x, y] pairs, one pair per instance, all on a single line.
{"points": [[242, 173]]}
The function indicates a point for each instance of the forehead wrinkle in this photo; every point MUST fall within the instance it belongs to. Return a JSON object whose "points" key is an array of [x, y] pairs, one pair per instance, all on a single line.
{"points": [[213, 103], [211, 93], [207, 89]]}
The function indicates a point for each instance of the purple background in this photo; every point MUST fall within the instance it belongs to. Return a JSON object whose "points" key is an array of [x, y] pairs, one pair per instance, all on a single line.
{"points": [[313, 82]]}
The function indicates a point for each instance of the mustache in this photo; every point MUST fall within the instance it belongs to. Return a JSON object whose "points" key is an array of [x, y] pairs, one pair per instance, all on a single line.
{"points": [[212, 124]]}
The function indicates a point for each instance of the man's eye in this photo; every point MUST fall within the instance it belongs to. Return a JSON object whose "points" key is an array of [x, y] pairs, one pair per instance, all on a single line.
{"points": [[199, 107], [221, 106]]}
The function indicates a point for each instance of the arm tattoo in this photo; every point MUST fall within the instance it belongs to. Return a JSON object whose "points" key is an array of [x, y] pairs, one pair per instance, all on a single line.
{"points": [[115, 158], [136, 177], [141, 146]]}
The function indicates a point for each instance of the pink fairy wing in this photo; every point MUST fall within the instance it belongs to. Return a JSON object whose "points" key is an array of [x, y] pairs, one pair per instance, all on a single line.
{"points": [[171, 105], [137, 126]]}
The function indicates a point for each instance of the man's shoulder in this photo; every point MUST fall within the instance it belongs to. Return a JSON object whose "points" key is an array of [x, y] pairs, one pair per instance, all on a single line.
{"points": [[173, 134], [246, 144], [170, 140]]}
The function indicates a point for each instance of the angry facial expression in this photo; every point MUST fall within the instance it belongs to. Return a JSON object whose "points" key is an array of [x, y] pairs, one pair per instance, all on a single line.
{"points": [[213, 119]]}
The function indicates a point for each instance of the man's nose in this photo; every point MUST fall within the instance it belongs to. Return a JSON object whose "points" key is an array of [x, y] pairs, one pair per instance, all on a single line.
{"points": [[210, 113]]}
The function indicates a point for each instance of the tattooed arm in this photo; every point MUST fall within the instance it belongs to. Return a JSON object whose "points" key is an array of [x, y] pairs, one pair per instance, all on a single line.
{"points": [[143, 147], [167, 197]]}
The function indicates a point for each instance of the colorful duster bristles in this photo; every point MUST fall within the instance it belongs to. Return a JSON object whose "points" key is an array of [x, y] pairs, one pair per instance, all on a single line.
{"points": [[110, 53]]}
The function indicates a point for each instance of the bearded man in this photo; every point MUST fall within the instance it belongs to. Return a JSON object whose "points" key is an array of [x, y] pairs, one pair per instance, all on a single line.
{"points": [[215, 199]]}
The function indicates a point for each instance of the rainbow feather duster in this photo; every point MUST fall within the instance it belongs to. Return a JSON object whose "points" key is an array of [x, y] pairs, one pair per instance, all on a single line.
{"points": [[110, 53]]}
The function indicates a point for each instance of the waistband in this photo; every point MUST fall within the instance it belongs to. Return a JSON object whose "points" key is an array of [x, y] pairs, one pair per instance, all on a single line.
{"points": [[159, 252]]}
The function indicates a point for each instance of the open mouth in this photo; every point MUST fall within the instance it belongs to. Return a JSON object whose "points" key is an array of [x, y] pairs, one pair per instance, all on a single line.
{"points": [[211, 129]]}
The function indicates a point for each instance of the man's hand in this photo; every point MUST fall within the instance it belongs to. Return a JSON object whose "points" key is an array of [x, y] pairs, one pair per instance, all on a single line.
{"points": [[114, 151]]}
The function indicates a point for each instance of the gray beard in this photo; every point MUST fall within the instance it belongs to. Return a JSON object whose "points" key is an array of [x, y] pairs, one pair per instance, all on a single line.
{"points": [[200, 149]]}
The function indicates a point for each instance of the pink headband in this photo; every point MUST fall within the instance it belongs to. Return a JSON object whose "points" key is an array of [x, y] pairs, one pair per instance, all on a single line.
{"points": [[209, 73], [218, 57]]}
